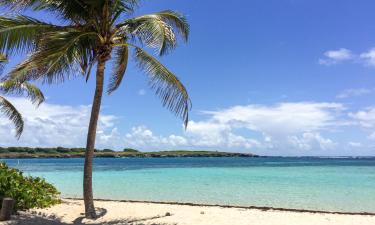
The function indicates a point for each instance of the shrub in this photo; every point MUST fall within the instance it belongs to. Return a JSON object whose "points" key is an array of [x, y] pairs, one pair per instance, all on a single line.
{"points": [[130, 150], [28, 192]]}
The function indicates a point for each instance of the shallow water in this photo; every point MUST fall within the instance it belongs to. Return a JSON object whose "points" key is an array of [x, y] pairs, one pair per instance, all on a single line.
{"points": [[340, 184]]}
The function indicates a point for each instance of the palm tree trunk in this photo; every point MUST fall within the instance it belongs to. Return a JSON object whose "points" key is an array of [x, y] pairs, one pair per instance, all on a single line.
{"points": [[87, 176]]}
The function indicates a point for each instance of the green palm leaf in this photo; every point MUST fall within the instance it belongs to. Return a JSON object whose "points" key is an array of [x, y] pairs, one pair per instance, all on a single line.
{"points": [[157, 30], [120, 65], [75, 10], [166, 85], [61, 55], [22, 89], [20, 34], [14, 87], [11, 112], [3, 58]]}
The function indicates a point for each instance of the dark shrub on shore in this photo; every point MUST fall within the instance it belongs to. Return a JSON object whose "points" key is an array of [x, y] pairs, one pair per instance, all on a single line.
{"points": [[28, 192], [130, 150]]}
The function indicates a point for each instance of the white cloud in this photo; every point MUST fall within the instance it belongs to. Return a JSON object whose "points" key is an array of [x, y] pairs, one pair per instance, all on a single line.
{"points": [[280, 119], [354, 93], [372, 136], [283, 125], [311, 141], [216, 134], [365, 118], [336, 56], [332, 57], [142, 92], [299, 126], [142, 137], [355, 144], [369, 57], [54, 125]]}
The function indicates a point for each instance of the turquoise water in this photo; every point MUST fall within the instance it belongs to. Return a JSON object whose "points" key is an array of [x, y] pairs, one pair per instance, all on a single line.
{"points": [[346, 185]]}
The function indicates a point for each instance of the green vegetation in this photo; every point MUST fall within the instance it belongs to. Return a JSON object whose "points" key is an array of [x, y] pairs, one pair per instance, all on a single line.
{"points": [[13, 87], [28, 192], [90, 33], [60, 152], [130, 150]]}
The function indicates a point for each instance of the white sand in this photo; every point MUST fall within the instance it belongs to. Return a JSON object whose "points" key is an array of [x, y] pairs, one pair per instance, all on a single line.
{"points": [[71, 212]]}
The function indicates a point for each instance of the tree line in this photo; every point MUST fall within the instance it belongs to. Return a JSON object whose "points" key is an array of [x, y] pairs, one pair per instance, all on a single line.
{"points": [[38, 150]]}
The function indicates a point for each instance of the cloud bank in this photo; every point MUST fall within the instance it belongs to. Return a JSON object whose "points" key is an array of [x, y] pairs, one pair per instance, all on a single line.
{"points": [[284, 128], [53, 125]]}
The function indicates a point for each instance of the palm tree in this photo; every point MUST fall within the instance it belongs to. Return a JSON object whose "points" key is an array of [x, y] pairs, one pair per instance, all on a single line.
{"points": [[16, 88], [93, 32]]}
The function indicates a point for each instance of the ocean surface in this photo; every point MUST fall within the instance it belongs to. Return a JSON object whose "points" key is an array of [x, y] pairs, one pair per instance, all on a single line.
{"points": [[330, 184]]}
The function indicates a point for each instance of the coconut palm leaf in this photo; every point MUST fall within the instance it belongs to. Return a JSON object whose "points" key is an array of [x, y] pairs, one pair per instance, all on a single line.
{"points": [[14, 87], [77, 10], [61, 55], [65, 50], [21, 33], [157, 30], [3, 58], [11, 112], [17, 88], [120, 65], [166, 85]]}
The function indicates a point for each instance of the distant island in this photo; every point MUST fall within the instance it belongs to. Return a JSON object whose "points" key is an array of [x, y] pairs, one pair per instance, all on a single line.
{"points": [[60, 152]]}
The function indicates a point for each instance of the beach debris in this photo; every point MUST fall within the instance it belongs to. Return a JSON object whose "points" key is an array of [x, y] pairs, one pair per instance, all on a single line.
{"points": [[202, 212], [168, 214]]}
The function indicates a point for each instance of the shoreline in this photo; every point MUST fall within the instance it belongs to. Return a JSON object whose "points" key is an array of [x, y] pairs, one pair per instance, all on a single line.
{"points": [[230, 155], [262, 208], [60, 152], [81, 156]]}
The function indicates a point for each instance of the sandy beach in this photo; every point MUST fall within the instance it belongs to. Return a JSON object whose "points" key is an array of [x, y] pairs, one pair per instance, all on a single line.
{"points": [[114, 212]]}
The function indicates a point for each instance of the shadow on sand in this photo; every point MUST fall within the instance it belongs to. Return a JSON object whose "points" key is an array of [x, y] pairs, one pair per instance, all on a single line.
{"points": [[38, 219]]}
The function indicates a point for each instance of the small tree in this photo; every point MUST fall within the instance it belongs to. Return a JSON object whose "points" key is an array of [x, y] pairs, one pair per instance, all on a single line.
{"points": [[28, 192]]}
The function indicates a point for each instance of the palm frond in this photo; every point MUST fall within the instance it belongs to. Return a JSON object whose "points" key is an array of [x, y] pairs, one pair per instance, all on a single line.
{"points": [[11, 112], [157, 30], [59, 56], [16, 4], [3, 59], [22, 89], [73, 10], [21, 33], [120, 65], [77, 11], [167, 86], [126, 6]]}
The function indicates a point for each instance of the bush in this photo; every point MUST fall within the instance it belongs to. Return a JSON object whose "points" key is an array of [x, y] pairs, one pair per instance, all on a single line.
{"points": [[130, 150], [28, 192]]}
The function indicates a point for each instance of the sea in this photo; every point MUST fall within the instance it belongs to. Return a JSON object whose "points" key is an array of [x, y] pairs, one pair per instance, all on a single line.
{"points": [[309, 183]]}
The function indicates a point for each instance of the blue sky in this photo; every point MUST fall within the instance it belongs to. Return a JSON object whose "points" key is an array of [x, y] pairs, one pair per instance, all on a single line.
{"points": [[274, 77]]}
